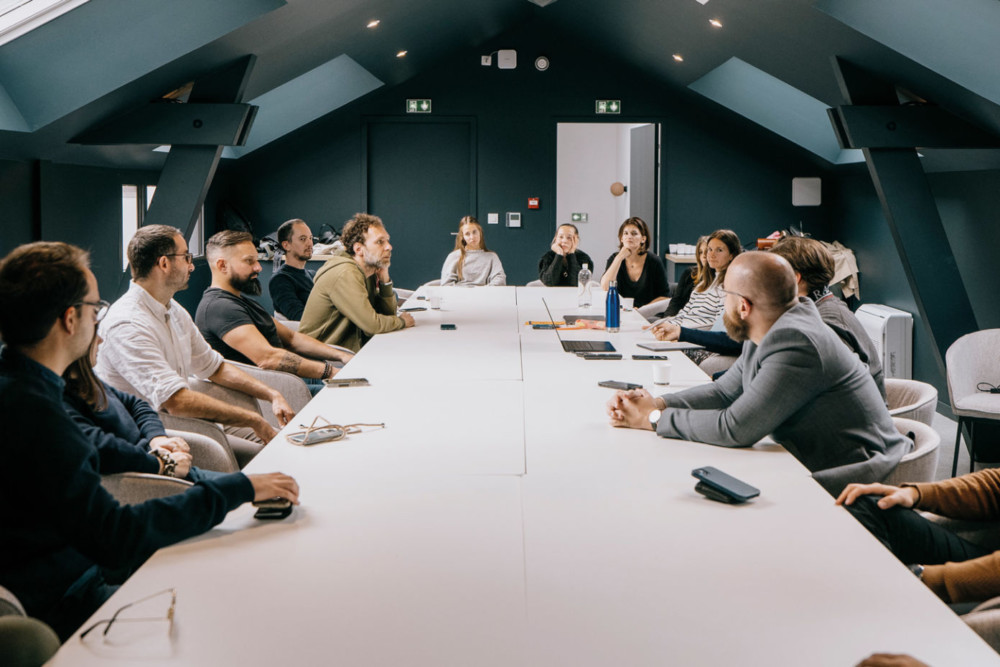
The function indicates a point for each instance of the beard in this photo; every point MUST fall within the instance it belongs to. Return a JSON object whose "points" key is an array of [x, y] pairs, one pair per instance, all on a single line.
{"points": [[303, 256], [249, 285], [737, 329], [380, 263]]}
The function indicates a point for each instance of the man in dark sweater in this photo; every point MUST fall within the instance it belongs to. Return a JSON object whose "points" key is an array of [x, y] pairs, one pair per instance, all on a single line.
{"points": [[290, 285], [65, 534]]}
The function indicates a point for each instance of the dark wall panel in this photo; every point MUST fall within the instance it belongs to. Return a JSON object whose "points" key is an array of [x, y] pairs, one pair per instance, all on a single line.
{"points": [[18, 190]]}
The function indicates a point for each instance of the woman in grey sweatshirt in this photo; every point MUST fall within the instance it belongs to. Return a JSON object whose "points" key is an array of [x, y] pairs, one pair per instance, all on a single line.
{"points": [[470, 263]]}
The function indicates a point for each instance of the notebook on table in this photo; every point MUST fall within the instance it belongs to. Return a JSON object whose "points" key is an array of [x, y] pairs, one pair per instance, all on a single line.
{"points": [[663, 346], [580, 345]]}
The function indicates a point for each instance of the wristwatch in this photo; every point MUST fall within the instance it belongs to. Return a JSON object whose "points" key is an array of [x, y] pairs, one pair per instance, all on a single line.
{"points": [[918, 570], [654, 418], [169, 464]]}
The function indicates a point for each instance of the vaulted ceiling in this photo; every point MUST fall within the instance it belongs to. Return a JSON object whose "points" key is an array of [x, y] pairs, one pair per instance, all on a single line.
{"points": [[313, 56]]}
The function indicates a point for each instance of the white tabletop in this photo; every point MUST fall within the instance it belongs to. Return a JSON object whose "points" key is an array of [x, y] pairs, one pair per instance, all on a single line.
{"points": [[498, 519]]}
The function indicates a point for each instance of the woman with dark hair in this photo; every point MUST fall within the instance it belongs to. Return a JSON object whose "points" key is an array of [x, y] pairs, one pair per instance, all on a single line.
{"points": [[126, 431], [705, 304], [639, 273], [561, 265], [471, 263]]}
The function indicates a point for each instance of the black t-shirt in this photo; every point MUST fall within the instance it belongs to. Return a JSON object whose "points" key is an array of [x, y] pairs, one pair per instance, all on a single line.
{"points": [[652, 282], [289, 288], [220, 312]]}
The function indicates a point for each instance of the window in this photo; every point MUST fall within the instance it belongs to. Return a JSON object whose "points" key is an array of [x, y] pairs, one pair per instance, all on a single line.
{"points": [[18, 17], [135, 203]]}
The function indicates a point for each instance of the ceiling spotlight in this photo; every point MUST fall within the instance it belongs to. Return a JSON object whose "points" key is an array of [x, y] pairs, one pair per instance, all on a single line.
{"points": [[678, 57], [715, 22], [541, 63], [401, 54], [702, 2], [373, 23]]}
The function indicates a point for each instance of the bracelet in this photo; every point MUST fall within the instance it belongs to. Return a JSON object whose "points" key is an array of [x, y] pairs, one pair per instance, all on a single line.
{"points": [[169, 464], [329, 370], [387, 283]]}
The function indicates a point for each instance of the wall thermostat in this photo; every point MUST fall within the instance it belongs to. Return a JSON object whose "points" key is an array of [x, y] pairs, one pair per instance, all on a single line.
{"points": [[513, 219]]}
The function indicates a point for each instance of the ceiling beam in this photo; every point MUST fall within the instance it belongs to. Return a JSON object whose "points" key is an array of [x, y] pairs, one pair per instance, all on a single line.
{"points": [[909, 126], [175, 123], [912, 215]]}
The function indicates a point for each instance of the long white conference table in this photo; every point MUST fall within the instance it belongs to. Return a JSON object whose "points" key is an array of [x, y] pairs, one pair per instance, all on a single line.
{"points": [[499, 520]]}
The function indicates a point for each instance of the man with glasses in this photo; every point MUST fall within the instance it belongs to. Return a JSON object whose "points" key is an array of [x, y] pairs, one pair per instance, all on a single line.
{"points": [[63, 534], [151, 347], [795, 380]]}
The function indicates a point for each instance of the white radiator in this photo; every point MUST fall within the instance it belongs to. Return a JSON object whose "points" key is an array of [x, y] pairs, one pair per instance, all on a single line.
{"points": [[892, 332]]}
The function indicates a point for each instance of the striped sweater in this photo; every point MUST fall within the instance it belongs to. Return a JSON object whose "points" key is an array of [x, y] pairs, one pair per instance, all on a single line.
{"points": [[701, 310]]}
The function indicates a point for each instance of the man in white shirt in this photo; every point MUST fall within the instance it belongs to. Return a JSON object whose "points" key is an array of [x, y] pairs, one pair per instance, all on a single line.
{"points": [[152, 347]]}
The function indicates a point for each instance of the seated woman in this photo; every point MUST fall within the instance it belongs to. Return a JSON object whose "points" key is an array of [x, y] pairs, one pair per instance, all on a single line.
{"points": [[126, 431], [561, 265], [639, 273], [691, 277], [706, 303], [471, 263]]}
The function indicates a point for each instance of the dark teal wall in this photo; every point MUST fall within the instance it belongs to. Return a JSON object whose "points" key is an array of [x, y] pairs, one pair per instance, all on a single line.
{"points": [[719, 169], [18, 207], [968, 203]]}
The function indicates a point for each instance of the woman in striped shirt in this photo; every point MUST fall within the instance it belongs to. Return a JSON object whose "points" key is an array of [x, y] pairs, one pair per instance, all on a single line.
{"points": [[705, 304]]}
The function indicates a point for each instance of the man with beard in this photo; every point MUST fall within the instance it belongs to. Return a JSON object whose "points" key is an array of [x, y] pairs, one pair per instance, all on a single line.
{"points": [[291, 284], [352, 299], [240, 329], [795, 380], [151, 347]]}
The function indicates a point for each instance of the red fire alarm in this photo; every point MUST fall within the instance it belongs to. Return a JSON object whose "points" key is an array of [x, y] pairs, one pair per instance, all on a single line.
{"points": [[532, 202]]}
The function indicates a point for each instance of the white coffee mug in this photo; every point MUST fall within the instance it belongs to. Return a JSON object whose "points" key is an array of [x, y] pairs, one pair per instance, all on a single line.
{"points": [[435, 303], [627, 303], [661, 372]]}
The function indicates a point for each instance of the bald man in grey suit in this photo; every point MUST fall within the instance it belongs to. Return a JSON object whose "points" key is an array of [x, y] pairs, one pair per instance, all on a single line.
{"points": [[795, 380]]}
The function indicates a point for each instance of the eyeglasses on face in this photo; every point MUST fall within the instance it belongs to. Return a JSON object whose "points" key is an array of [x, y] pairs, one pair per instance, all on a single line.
{"points": [[186, 255], [101, 306], [725, 291]]}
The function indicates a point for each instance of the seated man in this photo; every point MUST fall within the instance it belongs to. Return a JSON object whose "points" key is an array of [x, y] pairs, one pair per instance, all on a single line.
{"points": [[352, 299], [794, 380], [67, 533], [290, 285], [241, 330], [955, 569], [151, 347], [813, 267]]}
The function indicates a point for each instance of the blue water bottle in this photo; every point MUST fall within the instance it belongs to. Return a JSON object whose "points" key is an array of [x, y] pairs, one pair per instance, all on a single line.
{"points": [[612, 313]]}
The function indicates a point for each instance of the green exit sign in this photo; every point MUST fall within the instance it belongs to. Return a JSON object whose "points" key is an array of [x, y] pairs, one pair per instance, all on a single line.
{"points": [[607, 106], [578, 217], [418, 106]]}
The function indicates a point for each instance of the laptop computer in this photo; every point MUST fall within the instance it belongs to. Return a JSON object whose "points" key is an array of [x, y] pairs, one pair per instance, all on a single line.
{"points": [[580, 345]]}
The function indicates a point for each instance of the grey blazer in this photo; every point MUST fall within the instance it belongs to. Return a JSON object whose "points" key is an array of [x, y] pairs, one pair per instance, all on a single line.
{"points": [[806, 389]]}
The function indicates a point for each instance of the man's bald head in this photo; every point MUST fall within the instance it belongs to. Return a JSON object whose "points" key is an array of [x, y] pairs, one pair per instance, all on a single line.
{"points": [[765, 279]]}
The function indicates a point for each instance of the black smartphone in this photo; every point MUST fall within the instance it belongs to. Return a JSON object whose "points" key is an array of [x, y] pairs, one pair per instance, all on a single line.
{"points": [[274, 508], [596, 356], [346, 382], [421, 298], [615, 384], [544, 326], [650, 357], [448, 327], [717, 485]]}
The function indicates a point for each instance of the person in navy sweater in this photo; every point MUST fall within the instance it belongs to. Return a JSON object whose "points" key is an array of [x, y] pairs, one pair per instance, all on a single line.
{"points": [[63, 535]]}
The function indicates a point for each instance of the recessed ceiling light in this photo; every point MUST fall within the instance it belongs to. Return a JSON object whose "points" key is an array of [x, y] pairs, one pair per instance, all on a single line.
{"points": [[715, 22], [401, 54], [373, 23], [702, 2], [678, 57]]}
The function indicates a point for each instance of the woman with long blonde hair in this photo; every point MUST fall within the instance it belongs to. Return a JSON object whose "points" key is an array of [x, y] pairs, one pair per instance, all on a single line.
{"points": [[471, 263]]}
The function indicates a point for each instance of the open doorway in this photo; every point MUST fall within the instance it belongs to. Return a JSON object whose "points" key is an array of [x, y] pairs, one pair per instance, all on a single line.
{"points": [[592, 156]]}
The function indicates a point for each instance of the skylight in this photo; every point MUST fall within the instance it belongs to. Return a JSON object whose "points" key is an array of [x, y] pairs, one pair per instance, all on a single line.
{"points": [[18, 17]]}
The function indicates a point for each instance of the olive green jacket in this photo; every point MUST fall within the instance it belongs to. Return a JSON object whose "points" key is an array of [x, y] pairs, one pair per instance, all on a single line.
{"points": [[343, 308]]}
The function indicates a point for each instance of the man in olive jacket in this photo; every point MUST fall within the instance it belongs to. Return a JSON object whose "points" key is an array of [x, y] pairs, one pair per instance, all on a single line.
{"points": [[352, 297]]}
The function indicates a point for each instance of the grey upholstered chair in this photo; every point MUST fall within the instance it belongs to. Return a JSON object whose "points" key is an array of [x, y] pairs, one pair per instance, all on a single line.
{"points": [[210, 448], [131, 488], [920, 464], [971, 360], [24, 641], [911, 399], [290, 386]]}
